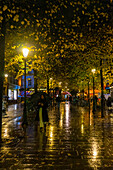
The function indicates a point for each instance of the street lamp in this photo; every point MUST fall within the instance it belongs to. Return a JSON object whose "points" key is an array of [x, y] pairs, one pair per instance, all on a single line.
{"points": [[25, 54], [6, 75], [93, 71], [60, 84], [51, 82], [6, 78]]}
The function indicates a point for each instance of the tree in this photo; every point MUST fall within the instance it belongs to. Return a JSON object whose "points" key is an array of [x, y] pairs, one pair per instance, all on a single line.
{"points": [[61, 37], [13, 15]]}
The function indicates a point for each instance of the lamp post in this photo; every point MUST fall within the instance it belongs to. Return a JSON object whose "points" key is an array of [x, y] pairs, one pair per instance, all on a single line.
{"points": [[51, 82], [25, 53], [93, 71], [82, 84], [102, 93], [48, 85], [6, 77], [89, 96]]}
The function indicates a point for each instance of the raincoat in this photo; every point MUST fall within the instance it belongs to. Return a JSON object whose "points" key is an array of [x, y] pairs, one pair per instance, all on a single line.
{"points": [[42, 114]]}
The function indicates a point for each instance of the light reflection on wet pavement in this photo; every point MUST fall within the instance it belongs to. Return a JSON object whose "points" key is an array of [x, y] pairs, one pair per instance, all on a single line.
{"points": [[75, 141]]}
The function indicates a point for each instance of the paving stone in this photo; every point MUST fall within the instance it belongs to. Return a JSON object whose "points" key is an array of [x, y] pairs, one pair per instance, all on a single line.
{"points": [[76, 141]]}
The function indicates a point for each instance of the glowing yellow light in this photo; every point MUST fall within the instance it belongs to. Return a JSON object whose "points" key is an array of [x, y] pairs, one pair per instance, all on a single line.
{"points": [[95, 153], [51, 132], [82, 128], [67, 108], [61, 123], [5, 133], [25, 52], [93, 70], [6, 75]]}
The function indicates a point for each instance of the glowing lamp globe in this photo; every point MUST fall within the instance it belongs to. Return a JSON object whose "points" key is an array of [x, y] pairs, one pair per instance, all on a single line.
{"points": [[25, 52]]}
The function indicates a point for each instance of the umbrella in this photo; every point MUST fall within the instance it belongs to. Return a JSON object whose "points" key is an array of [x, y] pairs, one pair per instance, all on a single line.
{"points": [[64, 93]]}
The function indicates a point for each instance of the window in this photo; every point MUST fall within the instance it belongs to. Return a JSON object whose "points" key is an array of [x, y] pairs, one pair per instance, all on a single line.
{"points": [[29, 82]]}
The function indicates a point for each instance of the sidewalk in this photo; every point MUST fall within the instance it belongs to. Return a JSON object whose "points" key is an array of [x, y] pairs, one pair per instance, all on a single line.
{"points": [[10, 120], [13, 111], [77, 141]]}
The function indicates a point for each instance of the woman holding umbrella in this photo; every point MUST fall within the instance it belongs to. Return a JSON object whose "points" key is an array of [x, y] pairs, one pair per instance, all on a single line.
{"points": [[42, 114]]}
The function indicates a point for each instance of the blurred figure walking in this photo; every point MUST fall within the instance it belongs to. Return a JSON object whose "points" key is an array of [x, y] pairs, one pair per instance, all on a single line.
{"points": [[42, 114], [70, 99], [109, 103], [58, 100]]}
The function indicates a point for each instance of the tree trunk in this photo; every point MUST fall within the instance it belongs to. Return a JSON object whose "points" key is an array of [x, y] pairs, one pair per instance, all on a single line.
{"points": [[48, 85], [35, 81], [93, 95], [25, 111], [2, 56], [102, 95]]}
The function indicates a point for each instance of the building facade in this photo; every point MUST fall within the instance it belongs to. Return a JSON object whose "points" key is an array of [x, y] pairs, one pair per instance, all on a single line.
{"points": [[11, 88], [29, 84]]}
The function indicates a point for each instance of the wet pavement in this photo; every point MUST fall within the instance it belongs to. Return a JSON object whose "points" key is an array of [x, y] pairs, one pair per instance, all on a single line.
{"points": [[73, 140], [11, 121]]}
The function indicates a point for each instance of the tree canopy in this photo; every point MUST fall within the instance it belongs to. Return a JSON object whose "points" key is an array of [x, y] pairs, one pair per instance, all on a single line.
{"points": [[66, 38]]}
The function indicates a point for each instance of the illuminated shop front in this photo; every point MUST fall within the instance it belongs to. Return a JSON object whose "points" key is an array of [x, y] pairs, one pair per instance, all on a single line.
{"points": [[13, 92]]}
